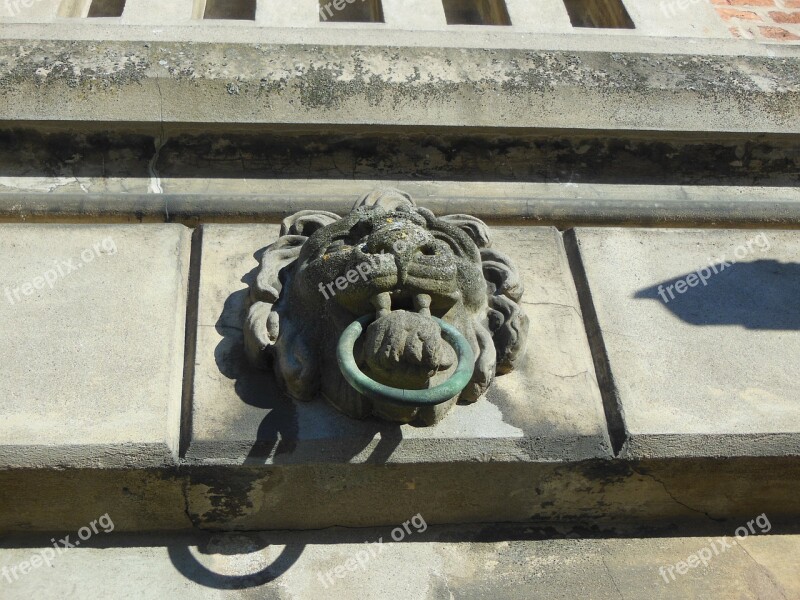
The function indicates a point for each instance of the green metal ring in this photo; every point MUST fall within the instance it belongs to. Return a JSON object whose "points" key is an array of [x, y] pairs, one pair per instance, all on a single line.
{"points": [[398, 396]]}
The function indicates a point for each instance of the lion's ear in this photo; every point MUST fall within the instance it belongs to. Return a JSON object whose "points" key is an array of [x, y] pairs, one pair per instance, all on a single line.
{"points": [[500, 272], [276, 257], [262, 323], [306, 222], [476, 229]]}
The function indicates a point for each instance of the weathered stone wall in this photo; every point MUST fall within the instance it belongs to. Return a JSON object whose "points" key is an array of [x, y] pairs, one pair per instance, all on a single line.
{"points": [[124, 385], [655, 356]]}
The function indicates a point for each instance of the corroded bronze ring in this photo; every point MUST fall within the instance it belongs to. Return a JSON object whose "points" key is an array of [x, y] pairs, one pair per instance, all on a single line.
{"points": [[402, 397]]}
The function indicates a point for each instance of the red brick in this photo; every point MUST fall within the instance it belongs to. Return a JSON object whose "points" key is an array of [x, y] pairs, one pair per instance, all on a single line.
{"points": [[732, 13], [747, 2], [778, 33], [784, 17]]}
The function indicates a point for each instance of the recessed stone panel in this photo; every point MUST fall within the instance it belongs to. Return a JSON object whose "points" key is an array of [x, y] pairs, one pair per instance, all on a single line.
{"points": [[549, 408], [92, 320], [701, 330]]}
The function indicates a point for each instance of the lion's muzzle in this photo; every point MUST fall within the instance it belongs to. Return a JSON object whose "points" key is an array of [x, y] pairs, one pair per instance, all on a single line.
{"points": [[406, 349]]}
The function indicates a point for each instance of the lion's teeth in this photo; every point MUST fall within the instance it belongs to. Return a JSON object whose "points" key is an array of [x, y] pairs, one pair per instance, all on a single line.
{"points": [[382, 303], [422, 304]]}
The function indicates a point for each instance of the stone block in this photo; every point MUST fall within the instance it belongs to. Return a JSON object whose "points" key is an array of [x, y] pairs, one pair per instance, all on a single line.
{"points": [[547, 409], [700, 336], [256, 458], [92, 320], [332, 83]]}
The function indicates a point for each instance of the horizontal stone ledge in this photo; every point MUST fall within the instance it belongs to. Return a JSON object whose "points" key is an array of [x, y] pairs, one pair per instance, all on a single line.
{"points": [[530, 204], [597, 493], [158, 82], [342, 34]]}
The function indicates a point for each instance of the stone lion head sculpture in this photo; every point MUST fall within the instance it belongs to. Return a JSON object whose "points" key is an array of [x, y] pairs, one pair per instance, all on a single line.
{"points": [[401, 266]]}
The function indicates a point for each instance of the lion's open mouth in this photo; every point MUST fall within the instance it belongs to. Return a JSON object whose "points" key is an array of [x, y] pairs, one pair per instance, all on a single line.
{"points": [[386, 302], [416, 299]]}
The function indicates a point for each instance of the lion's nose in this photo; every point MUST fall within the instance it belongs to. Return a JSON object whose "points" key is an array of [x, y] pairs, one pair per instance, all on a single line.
{"points": [[403, 242]]}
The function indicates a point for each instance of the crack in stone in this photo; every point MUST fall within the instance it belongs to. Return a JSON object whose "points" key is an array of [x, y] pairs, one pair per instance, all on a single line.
{"points": [[613, 581], [155, 178], [764, 570], [159, 143], [186, 510], [553, 304], [670, 494], [568, 376]]}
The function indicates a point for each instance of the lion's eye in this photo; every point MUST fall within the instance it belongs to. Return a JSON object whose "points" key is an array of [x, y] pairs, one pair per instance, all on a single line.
{"points": [[360, 230]]}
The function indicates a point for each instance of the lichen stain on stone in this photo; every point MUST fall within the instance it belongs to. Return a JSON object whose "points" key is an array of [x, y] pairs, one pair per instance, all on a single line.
{"points": [[218, 497], [49, 63], [218, 500], [319, 88], [331, 78]]}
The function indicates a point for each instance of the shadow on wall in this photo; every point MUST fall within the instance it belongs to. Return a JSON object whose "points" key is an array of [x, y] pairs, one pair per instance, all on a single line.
{"points": [[762, 294], [47, 161], [191, 568], [285, 425]]}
